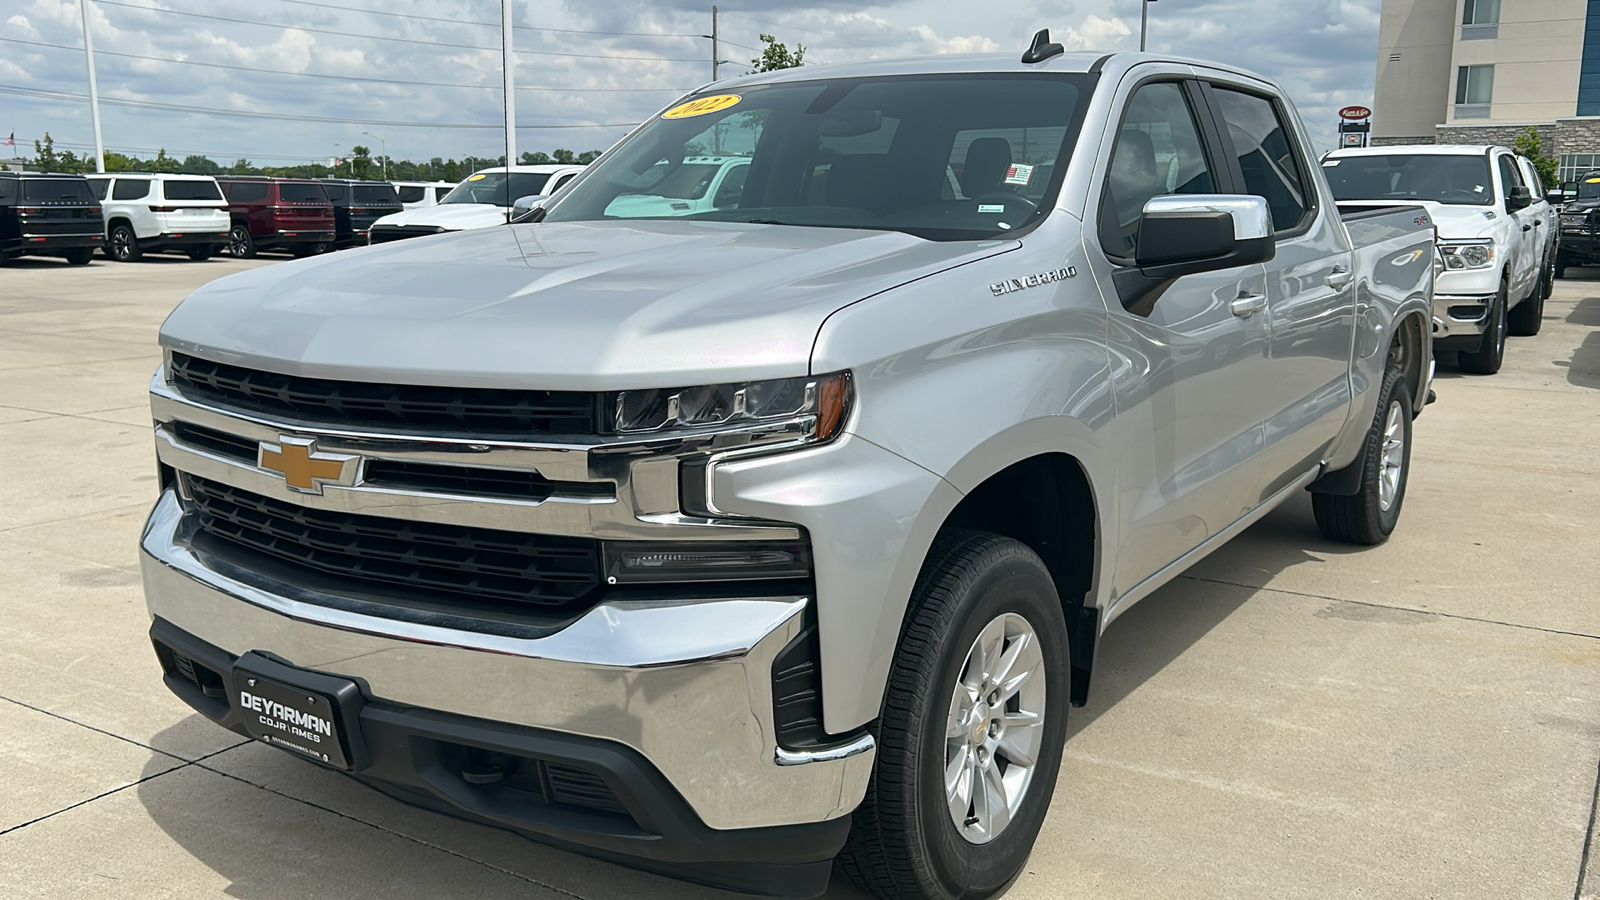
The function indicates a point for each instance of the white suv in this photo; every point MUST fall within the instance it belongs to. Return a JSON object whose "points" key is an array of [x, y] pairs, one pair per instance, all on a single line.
{"points": [[483, 200], [148, 211], [418, 194]]}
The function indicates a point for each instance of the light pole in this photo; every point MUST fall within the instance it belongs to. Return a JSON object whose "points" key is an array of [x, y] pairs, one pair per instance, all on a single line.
{"points": [[385, 150], [1144, 22], [94, 88]]}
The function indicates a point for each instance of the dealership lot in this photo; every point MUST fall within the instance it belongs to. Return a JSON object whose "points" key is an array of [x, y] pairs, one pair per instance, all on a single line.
{"points": [[1292, 718]]}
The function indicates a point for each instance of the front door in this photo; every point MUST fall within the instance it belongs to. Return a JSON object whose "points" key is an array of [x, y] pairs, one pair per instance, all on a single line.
{"points": [[1310, 291], [1524, 260], [1185, 367]]}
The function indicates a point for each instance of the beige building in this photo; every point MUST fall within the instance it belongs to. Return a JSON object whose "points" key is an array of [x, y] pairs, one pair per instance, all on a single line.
{"points": [[1482, 71]]}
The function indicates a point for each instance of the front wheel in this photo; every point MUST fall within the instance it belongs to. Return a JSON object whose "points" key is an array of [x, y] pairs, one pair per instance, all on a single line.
{"points": [[1491, 352], [970, 740], [1369, 515], [240, 244]]}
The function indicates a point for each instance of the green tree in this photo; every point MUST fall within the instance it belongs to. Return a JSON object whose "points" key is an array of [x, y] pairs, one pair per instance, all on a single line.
{"points": [[565, 157], [45, 155], [361, 161], [118, 162], [777, 56], [243, 167], [1530, 145], [197, 165], [588, 156], [536, 158]]}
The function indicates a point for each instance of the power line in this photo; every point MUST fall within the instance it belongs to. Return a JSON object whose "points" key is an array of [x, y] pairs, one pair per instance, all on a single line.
{"points": [[236, 113], [192, 62], [767, 22], [380, 12], [374, 37]]}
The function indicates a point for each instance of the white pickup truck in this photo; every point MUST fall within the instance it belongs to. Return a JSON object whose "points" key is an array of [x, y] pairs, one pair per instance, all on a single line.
{"points": [[727, 541], [1497, 236]]}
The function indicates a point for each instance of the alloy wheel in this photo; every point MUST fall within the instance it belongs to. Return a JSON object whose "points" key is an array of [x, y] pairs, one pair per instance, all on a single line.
{"points": [[121, 244], [995, 727], [1392, 458]]}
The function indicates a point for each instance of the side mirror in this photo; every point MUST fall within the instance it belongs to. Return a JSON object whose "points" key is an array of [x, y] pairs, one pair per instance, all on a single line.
{"points": [[528, 202], [1182, 234], [1519, 198], [1554, 198]]}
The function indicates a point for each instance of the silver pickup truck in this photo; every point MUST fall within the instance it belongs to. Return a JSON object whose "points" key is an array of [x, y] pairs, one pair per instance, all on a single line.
{"points": [[729, 540]]}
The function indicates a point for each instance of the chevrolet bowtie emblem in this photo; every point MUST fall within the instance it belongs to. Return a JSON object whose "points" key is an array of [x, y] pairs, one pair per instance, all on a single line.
{"points": [[303, 468]]}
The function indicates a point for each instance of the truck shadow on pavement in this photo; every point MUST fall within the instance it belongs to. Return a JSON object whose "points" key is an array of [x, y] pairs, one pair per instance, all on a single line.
{"points": [[273, 826]]}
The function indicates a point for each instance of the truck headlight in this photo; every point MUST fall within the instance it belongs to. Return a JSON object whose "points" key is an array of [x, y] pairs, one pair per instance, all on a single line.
{"points": [[1473, 254], [810, 409]]}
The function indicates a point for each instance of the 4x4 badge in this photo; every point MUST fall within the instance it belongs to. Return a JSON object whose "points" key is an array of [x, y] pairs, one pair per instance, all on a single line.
{"points": [[303, 468], [1022, 284]]}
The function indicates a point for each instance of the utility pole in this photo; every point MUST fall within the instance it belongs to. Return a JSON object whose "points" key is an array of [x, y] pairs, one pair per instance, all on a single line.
{"points": [[385, 149], [1144, 23], [715, 51], [94, 89], [507, 14]]}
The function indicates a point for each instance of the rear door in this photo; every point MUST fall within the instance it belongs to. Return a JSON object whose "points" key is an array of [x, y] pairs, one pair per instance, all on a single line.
{"points": [[1187, 363], [1310, 315]]}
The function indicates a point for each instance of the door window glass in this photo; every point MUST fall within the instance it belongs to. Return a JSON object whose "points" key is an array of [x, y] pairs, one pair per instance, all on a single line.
{"points": [[1509, 176], [130, 189], [412, 193], [1266, 155], [99, 186], [1158, 152]]}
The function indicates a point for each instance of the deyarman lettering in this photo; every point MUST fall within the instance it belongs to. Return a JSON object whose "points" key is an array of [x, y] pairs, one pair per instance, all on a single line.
{"points": [[284, 713]]}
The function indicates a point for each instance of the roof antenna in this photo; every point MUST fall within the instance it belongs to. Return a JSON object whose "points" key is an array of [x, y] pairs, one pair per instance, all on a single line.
{"points": [[1042, 49]]}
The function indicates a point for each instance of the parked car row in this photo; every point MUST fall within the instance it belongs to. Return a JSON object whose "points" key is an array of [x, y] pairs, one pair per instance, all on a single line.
{"points": [[1500, 240]]}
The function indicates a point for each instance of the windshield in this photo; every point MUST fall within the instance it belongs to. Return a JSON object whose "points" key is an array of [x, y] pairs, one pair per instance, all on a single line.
{"points": [[944, 157], [1589, 188], [490, 187], [191, 190], [1460, 180]]}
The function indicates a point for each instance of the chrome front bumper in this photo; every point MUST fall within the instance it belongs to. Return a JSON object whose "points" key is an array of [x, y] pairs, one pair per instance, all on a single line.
{"points": [[686, 684], [1460, 315]]}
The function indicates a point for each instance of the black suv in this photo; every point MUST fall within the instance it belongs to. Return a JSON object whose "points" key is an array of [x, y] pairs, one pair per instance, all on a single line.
{"points": [[356, 205], [1580, 225], [48, 215]]}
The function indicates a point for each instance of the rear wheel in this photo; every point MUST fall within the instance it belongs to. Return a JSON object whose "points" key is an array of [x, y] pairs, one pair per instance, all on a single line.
{"points": [[1369, 515], [80, 256], [1491, 352], [1547, 276], [240, 244], [122, 244], [970, 740], [301, 251], [1525, 320], [203, 253]]}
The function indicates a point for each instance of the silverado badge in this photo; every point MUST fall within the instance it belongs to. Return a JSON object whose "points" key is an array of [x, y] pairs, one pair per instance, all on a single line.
{"points": [[303, 468], [1020, 284]]}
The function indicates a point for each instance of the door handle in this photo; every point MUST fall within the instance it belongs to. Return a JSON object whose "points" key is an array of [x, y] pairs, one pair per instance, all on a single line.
{"points": [[1248, 304], [1527, 228], [1340, 278]]}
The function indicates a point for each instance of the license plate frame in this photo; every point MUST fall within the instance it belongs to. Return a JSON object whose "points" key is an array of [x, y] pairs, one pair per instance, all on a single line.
{"points": [[309, 714]]}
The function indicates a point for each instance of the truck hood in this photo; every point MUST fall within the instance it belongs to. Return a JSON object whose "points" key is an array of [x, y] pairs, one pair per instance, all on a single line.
{"points": [[1454, 219], [580, 306], [449, 216]]}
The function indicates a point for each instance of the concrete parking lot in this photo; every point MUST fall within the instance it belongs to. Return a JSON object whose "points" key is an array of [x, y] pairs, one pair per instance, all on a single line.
{"points": [[1292, 718]]}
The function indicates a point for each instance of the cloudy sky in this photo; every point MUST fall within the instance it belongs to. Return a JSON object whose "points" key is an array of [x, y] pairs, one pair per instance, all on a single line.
{"points": [[284, 81]]}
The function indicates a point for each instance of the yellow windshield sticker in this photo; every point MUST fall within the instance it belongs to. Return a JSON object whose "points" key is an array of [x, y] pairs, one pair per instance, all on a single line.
{"points": [[701, 106], [474, 177], [1591, 181]]}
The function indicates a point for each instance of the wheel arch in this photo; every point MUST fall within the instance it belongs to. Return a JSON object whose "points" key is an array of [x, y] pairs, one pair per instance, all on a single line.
{"points": [[1047, 502]]}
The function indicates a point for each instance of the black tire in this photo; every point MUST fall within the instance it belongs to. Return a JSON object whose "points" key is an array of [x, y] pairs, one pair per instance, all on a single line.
{"points": [[1562, 261], [240, 244], [1491, 352], [301, 251], [1526, 318], [122, 244], [1361, 518], [904, 843], [1547, 277], [80, 256], [202, 253]]}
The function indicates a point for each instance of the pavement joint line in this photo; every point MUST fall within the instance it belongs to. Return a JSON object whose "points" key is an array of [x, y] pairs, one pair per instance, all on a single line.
{"points": [[116, 790], [1588, 838], [377, 827], [86, 415], [111, 734], [99, 512], [1425, 612]]}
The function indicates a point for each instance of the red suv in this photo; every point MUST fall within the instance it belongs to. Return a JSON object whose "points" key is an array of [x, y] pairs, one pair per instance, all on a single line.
{"points": [[277, 214]]}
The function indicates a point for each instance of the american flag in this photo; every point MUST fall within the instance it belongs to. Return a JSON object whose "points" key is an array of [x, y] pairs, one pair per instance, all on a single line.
{"points": [[10, 141]]}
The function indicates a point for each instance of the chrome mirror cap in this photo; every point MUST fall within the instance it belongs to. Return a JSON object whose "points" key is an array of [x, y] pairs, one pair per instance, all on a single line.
{"points": [[1252, 217]]}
